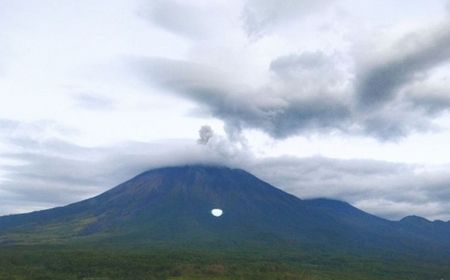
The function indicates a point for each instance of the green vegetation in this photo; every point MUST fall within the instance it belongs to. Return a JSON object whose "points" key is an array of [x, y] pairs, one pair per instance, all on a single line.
{"points": [[32, 262]]}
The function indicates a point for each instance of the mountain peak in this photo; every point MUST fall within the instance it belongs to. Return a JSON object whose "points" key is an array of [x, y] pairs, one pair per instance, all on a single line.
{"points": [[194, 169], [413, 219]]}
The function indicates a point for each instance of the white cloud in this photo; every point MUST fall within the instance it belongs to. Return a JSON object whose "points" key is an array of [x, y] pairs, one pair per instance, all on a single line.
{"points": [[263, 15]]}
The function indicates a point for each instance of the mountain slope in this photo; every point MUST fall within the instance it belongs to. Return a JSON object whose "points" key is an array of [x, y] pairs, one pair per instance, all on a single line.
{"points": [[171, 206]]}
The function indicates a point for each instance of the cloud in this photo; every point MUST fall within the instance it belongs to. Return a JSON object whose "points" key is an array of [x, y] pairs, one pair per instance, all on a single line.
{"points": [[193, 20], [410, 59], [7, 125], [401, 89], [292, 65], [15, 131], [387, 93], [391, 190], [93, 102], [279, 111], [198, 20], [5, 56], [431, 100], [259, 16]]}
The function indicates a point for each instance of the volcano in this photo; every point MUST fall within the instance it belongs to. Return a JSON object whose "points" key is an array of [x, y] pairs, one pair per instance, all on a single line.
{"points": [[214, 206]]}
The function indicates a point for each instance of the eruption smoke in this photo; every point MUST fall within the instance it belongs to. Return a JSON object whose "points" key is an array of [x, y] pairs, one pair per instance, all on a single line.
{"points": [[205, 133]]}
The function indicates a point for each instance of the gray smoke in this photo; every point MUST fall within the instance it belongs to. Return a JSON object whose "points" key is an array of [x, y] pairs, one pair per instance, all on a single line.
{"points": [[205, 133]]}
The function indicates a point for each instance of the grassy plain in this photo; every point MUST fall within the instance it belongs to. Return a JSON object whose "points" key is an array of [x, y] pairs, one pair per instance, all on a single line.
{"points": [[58, 262]]}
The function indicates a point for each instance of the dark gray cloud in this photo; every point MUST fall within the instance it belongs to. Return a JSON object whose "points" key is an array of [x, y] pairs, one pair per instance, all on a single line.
{"points": [[431, 98], [416, 54], [306, 96], [394, 122], [243, 107], [288, 66], [394, 94]]}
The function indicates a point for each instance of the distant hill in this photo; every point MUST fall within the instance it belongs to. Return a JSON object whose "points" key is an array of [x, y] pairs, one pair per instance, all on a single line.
{"points": [[172, 207]]}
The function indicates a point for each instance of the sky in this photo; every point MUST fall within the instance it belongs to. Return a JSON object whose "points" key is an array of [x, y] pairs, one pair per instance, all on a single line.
{"points": [[328, 98]]}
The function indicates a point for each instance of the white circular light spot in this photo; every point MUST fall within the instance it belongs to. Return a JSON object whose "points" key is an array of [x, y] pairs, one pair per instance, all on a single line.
{"points": [[216, 212]]}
